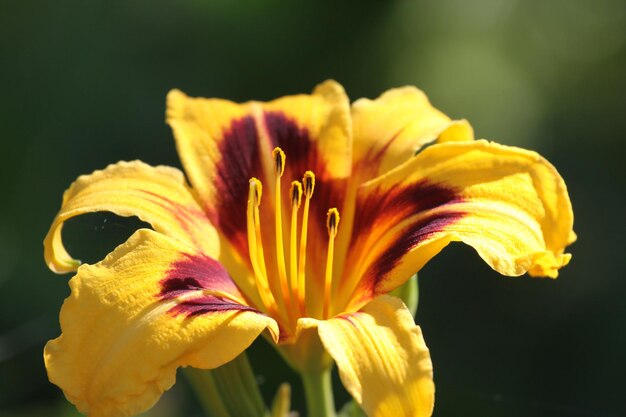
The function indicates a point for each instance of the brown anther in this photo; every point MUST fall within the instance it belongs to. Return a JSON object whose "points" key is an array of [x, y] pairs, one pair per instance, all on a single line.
{"points": [[256, 185], [309, 183], [332, 222], [296, 193], [279, 159]]}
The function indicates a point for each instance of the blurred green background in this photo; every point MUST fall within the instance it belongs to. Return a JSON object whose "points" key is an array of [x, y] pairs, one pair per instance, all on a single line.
{"points": [[84, 85]]}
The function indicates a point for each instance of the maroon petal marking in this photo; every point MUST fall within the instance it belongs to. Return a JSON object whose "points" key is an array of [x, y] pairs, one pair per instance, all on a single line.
{"points": [[240, 161], [409, 239], [348, 318], [381, 210], [192, 274], [367, 166], [302, 155], [206, 304]]}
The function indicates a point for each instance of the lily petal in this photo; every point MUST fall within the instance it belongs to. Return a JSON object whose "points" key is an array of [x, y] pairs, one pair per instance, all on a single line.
{"points": [[390, 129], [382, 358], [509, 204], [157, 195], [151, 306], [313, 130]]}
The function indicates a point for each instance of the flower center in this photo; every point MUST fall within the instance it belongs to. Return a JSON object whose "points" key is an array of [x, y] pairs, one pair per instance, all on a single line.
{"points": [[284, 295]]}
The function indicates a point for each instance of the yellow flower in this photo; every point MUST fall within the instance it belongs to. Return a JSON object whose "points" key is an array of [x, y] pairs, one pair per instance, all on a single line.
{"points": [[256, 243]]}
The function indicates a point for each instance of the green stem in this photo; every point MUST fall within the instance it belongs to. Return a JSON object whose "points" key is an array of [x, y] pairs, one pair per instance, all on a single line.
{"points": [[318, 390], [228, 391], [203, 384]]}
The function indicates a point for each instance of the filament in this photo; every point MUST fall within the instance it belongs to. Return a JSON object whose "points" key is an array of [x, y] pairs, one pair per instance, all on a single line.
{"points": [[279, 159], [296, 198], [309, 185], [332, 222], [255, 246]]}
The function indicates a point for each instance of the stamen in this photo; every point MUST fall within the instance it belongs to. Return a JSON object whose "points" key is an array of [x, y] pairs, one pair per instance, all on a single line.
{"points": [[309, 185], [296, 197], [279, 159], [332, 223], [257, 225], [255, 246]]}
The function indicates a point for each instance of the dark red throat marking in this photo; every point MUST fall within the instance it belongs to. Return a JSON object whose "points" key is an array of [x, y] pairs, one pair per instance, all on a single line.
{"points": [[383, 210], [303, 155], [241, 160]]}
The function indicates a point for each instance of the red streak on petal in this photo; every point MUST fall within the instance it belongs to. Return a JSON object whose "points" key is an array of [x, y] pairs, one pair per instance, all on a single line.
{"points": [[368, 165], [194, 273], [381, 210], [348, 318], [409, 239], [205, 305]]}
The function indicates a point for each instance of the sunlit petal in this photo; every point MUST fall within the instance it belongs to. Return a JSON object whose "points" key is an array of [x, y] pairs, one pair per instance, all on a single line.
{"points": [[390, 129], [151, 306], [157, 195], [382, 359], [510, 204]]}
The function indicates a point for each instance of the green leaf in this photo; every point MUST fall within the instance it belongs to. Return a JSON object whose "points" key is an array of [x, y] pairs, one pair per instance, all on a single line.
{"points": [[228, 391], [282, 401], [409, 293], [351, 409]]}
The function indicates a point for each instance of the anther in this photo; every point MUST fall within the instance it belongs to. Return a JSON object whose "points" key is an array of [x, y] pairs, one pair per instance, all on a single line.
{"points": [[257, 187], [332, 221], [309, 183], [296, 193], [279, 159]]}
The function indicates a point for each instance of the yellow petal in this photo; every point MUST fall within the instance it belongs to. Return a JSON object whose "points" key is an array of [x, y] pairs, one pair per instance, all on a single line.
{"points": [[157, 195], [509, 204], [382, 359], [320, 138], [390, 129], [223, 144], [151, 306], [457, 131]]}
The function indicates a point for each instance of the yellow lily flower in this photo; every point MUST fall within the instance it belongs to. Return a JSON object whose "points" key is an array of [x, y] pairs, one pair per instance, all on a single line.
{"points": [[257, 243]]}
